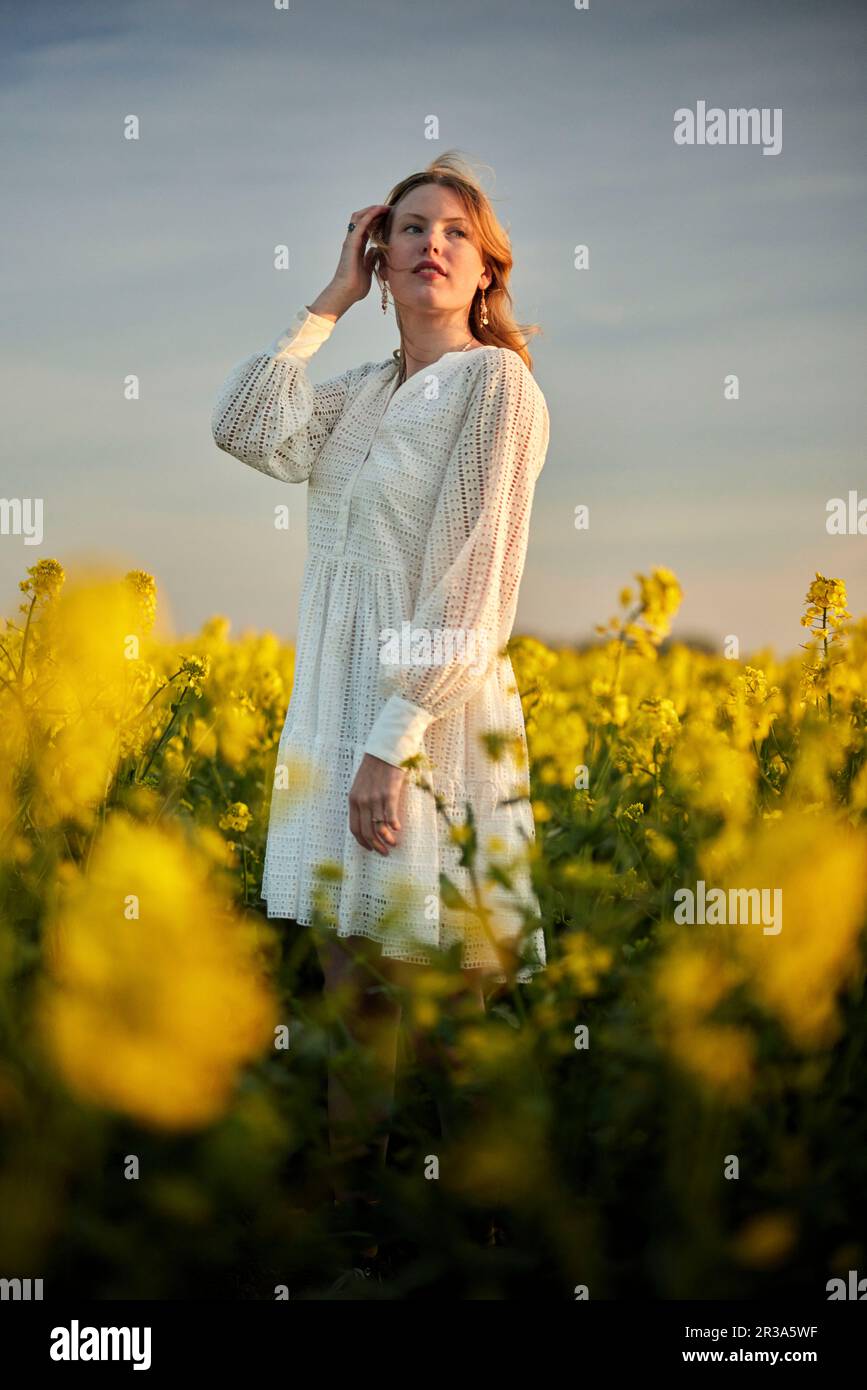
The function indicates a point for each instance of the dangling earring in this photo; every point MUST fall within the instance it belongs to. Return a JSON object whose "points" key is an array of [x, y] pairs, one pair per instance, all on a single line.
{"points": [[384, 297], [484, 310]]}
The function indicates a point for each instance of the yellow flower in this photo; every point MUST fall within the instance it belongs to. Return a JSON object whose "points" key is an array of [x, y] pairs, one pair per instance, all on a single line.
{"points": [[690, 980], [425, 1013], [662, 847], [766, 1240], [798, 973], [46, 579], [648, 736], [582, 963], [710, 774], [661, 596], [79, 651], [612, 707], [531, 661], [460, 833], [196, 669], [508, 1165], [152, 1000], [826, 601], [237, 732], [236, 817], [144, 588], [752, 705], [719, 1056]]}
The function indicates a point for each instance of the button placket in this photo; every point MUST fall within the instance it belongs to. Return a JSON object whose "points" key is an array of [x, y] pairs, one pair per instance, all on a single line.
{"points": [[346, 500]]}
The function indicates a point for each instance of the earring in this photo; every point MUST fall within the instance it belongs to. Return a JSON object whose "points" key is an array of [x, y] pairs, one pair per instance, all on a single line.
{"points": [[384, 297], [484, 310]]}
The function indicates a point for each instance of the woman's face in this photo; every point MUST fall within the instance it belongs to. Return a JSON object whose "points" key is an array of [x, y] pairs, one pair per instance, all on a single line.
{"points": [[430, 224]]}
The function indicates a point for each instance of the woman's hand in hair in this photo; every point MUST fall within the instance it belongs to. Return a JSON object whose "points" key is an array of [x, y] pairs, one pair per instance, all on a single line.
{"points": [[351, 280]]}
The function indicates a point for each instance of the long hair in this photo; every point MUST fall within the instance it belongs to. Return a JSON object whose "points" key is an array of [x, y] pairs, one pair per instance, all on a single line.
{"points": [[492, 240]]}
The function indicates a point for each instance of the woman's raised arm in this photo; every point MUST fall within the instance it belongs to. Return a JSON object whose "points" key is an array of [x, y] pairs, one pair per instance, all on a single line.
{"points": [[269, 414]]}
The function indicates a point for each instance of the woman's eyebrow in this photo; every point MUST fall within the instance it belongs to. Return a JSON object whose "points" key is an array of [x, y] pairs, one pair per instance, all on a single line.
{"points": [[420, 218]]}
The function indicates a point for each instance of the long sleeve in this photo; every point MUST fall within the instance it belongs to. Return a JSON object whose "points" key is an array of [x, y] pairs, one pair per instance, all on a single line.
{"points": [[269, 414], [473, 561]]}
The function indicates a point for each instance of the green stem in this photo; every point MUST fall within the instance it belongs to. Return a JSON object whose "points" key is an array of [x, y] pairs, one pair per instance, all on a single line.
{"points": [[163, 738]]}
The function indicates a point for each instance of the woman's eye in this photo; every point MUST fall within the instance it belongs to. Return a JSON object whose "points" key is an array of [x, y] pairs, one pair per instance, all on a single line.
{"points": [[414, 226]]}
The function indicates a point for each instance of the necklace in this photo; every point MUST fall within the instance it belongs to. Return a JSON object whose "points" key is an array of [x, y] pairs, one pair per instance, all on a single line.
{"points": [[400, 375]]}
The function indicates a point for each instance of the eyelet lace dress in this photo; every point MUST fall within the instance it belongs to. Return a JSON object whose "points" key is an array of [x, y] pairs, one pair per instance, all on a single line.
{"points": [[419, 500]]}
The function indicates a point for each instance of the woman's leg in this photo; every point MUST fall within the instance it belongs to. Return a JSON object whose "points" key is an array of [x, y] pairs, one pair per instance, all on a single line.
{"points": [[361, 1086], [355, 972], [434, 1055], [457, 1097]]}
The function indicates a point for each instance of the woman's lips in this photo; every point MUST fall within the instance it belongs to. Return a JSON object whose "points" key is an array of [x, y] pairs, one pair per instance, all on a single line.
{"points": [[429, 271]]}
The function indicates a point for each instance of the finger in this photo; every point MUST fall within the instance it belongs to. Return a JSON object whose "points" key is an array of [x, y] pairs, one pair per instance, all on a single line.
{"points": [[364, 826], [367, 215], [392, 805], [367, 225], [382, 830], [389, 810], [356, 822], [355, 825], [393, 818], [369, 830]]}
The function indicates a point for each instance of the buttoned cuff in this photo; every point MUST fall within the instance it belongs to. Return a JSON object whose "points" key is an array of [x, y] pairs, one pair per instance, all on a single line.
{"points": [[398, 731], [304, 336]]}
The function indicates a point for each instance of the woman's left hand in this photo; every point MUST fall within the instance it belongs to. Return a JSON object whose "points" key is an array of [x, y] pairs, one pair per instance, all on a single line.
{"points": [[374, 797]]}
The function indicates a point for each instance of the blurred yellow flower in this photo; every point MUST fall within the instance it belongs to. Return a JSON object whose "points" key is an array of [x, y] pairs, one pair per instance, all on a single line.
{"points": [[502, 1165], [581, 963], [661, 596], [153, 999], [720, 1056], [765, 1241], [820, 864], [144, 588], [691, 979]]}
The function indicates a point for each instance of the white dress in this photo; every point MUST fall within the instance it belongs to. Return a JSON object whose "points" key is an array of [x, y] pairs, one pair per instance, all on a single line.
{"points": [[418, 515]]}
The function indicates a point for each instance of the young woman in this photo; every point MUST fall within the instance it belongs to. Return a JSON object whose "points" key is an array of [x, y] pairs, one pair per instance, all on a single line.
{"points": [[420, 472]]}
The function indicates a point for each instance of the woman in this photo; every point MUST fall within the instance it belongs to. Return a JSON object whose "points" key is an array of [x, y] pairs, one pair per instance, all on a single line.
{"points": [[421, 471]]}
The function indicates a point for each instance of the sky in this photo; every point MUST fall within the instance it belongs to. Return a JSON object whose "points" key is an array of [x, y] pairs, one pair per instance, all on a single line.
{"points": [[263, 126]]}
